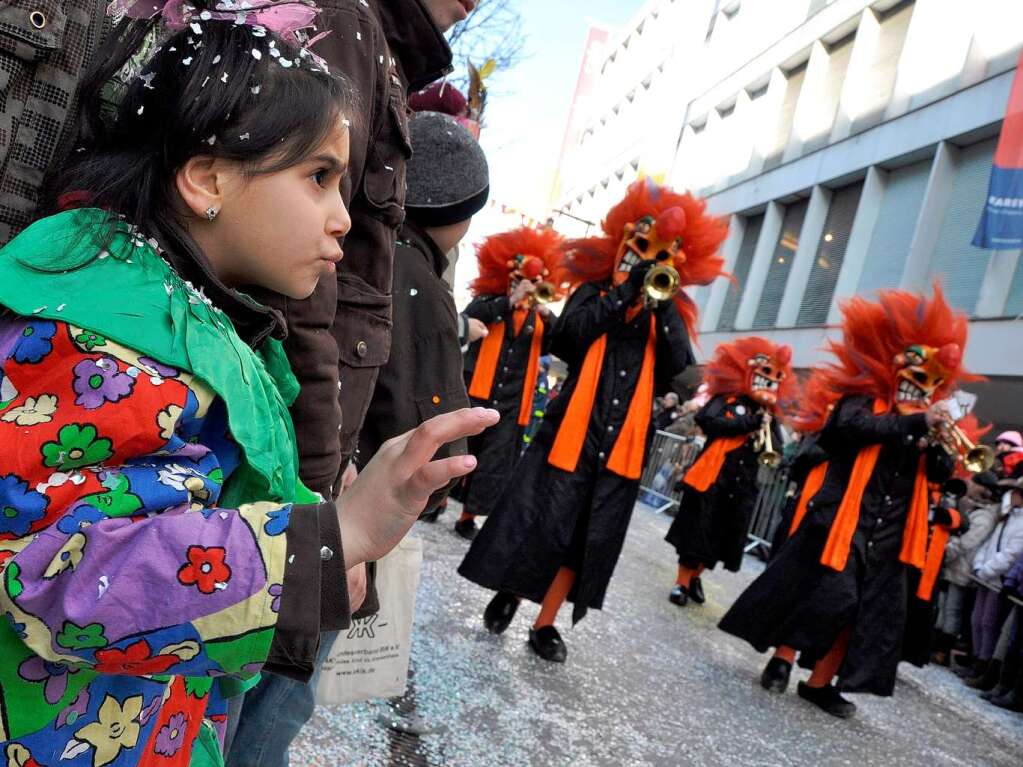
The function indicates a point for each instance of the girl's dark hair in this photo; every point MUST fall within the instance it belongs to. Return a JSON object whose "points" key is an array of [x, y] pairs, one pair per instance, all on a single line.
{"points": [[217, 89]]}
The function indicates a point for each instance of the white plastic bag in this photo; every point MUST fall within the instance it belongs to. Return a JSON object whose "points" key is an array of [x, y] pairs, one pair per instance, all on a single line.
{"points": [[370, 659]]}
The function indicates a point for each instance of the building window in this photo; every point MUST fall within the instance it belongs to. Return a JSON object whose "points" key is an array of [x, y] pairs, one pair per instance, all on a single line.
{"points": [[743, 261], [781, 263], [827, 262], [893, 232], [960, 266], [776, 139]]}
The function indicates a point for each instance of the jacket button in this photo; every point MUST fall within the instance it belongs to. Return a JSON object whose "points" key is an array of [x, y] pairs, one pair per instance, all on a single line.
{"points": [[435, 399], [37, 19], [622, 373], [361, 348], [610, 428], [601, 456], [326, 554], [614, 401]]}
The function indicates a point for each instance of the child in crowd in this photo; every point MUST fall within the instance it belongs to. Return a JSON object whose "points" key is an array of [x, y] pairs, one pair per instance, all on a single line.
{"points": [[154, 537]]}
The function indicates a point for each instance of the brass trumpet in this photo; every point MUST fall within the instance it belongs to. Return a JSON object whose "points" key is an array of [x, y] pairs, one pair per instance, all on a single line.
{"points": [[764, 445], [976, 458], [661, 283], [545, 293]]}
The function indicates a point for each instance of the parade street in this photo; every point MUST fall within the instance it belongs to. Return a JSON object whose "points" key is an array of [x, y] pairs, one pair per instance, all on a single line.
{"points": [[646, 683]]}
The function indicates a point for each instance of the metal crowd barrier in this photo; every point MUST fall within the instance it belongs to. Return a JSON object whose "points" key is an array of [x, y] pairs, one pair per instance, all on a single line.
{"points": [[774, 486], [670, 457]]}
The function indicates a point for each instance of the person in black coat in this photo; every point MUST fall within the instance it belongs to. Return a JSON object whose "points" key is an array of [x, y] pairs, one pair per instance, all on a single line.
{"points": [[836, 590], [501, 369], [746, 380], [557, 530]]}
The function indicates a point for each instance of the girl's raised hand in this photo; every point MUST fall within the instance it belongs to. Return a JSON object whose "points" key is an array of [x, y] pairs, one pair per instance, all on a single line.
{"points": [[388, 496]]}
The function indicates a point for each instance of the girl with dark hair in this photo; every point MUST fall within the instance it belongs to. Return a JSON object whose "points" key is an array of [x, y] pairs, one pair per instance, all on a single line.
{"points": [[155, 542]]}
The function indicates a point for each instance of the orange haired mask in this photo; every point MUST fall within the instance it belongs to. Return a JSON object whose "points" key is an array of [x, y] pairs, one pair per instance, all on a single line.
{"points": [[650, 239], [521, 254], [921, 371], [753, 367]]}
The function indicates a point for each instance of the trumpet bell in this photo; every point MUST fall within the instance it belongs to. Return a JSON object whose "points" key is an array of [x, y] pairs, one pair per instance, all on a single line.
{"points": [[662, 283], [769, 459], [545, 293], [978, 459]]}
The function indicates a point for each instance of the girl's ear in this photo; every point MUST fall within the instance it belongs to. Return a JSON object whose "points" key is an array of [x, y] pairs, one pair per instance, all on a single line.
{"points": [[200, 183]]}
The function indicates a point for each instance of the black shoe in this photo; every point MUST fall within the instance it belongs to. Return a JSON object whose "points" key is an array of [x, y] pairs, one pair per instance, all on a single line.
{"points": [[1010, 701], [827, 699], [989, 679], [500, 611], [776, 675], [547, 643], [679, 595], [996, 692], [432, 516], [466, 528], [696, 591]]}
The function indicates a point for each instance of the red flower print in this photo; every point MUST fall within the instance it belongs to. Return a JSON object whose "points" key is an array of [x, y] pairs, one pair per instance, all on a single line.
{"points": [[206, 569], [135, 659]]}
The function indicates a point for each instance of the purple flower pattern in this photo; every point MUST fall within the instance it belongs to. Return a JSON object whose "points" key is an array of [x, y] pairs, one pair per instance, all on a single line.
{"points": [[99, 381], [171, 736], [275, 591], [55, 675]]}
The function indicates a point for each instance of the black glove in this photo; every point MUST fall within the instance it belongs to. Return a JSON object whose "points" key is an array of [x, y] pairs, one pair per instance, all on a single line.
{"points": [[638, 273], [942, 516]]}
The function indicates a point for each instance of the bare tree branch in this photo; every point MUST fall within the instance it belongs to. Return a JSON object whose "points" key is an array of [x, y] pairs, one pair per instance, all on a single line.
{"points": [[492, 31]]}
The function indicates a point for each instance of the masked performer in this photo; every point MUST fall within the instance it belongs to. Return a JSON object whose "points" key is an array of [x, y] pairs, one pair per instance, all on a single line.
{"points": [[517, 279], [746, 380], [835, 592], [558, 529]]}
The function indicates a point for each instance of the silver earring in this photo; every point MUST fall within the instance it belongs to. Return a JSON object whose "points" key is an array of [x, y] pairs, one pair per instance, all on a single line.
{"points": [[211, 213]]}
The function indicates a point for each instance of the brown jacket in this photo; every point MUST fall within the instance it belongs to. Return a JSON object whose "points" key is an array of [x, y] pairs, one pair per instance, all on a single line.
{"points": [[45, 46], [382, 48]]}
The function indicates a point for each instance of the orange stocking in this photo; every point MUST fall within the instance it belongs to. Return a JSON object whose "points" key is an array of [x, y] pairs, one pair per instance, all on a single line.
{"points": [[686, 575], [555, 597], [786, 653], [826, 668]]}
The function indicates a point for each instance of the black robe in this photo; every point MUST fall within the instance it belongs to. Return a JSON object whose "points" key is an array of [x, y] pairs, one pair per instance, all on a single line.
{"points": [[803, 604], [548, 518], [711, 526], [808, 456], [497, 449]]}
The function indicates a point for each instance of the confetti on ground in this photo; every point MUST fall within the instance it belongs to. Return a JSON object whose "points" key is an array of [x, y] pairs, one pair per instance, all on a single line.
{"points": [[646, 684]]}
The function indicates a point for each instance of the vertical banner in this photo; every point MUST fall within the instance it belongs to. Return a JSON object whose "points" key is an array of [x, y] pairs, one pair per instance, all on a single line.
{"points": [[1001, 221]]}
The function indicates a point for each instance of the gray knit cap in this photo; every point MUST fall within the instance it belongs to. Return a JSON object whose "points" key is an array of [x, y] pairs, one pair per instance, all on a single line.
{"points": [[447, 177]]}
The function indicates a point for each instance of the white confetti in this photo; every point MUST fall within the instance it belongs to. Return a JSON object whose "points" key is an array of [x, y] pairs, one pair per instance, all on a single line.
{"points": [[61, 307], [132, 372], [223, 77], [286, 63], [196, 28], [255, 90], [223, 515], [147, 80], [257, 54], [244, 137], [104, 584], [187, 61], [358, 35], [211, 140], [216, 59], [347, 123], [413, 292], [381, 59], [206, 16], [205, 81], [40, 309], [275, 53]]}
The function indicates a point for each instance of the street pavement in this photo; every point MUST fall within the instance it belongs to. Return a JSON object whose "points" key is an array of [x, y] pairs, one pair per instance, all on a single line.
{"points": [[646, 683]]}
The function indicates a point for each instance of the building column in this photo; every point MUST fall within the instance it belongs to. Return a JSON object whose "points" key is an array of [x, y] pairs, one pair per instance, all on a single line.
{"points": [[864, 53], [994, 291], [719, 288], [766, 113], [814, 84], [769, 232], [869, 208], [802, 264], [928, 223]]}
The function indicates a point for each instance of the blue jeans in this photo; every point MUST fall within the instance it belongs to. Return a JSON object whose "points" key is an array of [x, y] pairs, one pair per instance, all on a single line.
{"points": [[262, 723]]}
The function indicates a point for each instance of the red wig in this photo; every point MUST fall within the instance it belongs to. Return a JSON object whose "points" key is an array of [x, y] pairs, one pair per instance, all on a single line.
{"points": [[698, 263], [873, 335], [730, 371], [496, 257]]}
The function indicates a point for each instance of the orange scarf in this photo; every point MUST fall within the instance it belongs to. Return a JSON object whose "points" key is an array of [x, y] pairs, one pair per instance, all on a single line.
{"points": [[935, 555], [814, 482], [490, 354], [914, 537], [704, 471], [627, 455]]}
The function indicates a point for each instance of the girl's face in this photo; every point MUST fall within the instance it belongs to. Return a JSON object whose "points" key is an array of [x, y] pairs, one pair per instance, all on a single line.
{"points": [[278, 230]]}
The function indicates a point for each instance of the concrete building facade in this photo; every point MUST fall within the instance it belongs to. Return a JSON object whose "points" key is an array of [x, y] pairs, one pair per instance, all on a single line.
{"points": [[850, 143]]}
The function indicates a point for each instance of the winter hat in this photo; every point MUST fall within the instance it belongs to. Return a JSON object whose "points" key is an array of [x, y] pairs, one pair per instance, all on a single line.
{"points": [[441, 97], [448, 179], [988, 480], [1014, 438]]}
